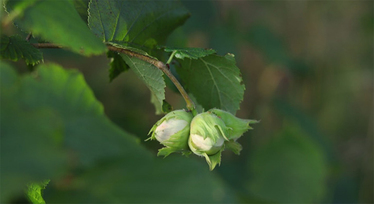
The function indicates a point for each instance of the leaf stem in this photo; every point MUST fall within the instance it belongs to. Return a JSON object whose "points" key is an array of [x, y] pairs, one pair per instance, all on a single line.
{"points": [[28, 37], [171, 57], [160, 65]]}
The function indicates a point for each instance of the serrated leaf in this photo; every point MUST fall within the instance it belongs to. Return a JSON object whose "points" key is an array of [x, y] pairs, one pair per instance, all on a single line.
{"points": [[234, 147], [14, 48], [57, 22], [82, 7], [191, 53], [117, 65], [105, 164], [213, 160], [214, 80], [139, 23], [34, 192], [151, 76], [52, 111]]}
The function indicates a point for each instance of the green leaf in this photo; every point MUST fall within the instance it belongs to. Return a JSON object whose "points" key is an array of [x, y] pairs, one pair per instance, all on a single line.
{"points": [[53, 111], [14, 48], [151, 76], [234, 146], [165, 180], [214, 80], [82, 7], [191, 53], [139, 23], [57, 22], [34, 192], [83, 116], [293, 159], [213, 160], [31, 139], [105, 163], [117, 65]]}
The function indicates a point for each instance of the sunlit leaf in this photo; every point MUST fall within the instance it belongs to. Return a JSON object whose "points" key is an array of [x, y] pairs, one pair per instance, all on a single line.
{"points": [[191, 53], [57, 22], [34, 192], [214, 80]]}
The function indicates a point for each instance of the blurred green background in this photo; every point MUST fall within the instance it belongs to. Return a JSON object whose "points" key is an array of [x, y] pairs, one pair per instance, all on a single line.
{"points": [[308, 71]]}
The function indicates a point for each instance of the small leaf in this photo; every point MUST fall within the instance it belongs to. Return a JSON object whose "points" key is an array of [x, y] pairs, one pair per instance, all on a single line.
{"points": [[214, 80], [166, 107], [151, 76], [14, 48], [57, 22], [191, 53], [139, 23], [166, 151], [117, 65], [213, 160], [34, 192], [234, 146]]}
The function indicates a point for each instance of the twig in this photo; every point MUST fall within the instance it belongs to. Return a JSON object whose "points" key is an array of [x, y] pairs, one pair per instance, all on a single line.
{"points": [[160, 65], [28, 37]]}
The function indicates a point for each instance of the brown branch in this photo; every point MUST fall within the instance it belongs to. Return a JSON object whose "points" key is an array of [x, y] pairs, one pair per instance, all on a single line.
{"points": [[160, 65], [45, 45], [28, 37]]}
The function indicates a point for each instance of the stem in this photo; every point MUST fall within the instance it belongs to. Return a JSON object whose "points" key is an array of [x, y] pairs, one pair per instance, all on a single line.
{"points": [[45, 45], [28, 37], [160, 65], [171, 57]]}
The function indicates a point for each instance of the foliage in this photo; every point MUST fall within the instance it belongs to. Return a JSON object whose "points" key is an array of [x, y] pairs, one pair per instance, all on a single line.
{"points": [[61, 116], [70, 136], [58, 18], [14, 48]]}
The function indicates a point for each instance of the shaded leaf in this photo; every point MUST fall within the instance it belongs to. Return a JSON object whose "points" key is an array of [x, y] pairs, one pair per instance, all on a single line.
{"points": [[139, 23], [26, 136], [151, 76], [105, 163], [298, 163], [191, 53], [14, 48], [52, 19], [52, 111], [82, 7], [117, 65], [214, 80], [34, 192], [169, 180]]}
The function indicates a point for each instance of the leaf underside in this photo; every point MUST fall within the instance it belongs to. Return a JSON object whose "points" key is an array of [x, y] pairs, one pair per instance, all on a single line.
{"points": [[151, 76]]}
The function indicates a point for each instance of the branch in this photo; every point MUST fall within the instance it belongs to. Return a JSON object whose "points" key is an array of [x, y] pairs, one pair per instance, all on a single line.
{"points": [[160, 65]]}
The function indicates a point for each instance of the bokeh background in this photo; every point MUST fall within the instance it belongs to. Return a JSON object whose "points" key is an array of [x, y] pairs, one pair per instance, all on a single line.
{"points": [[308, 71]]}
